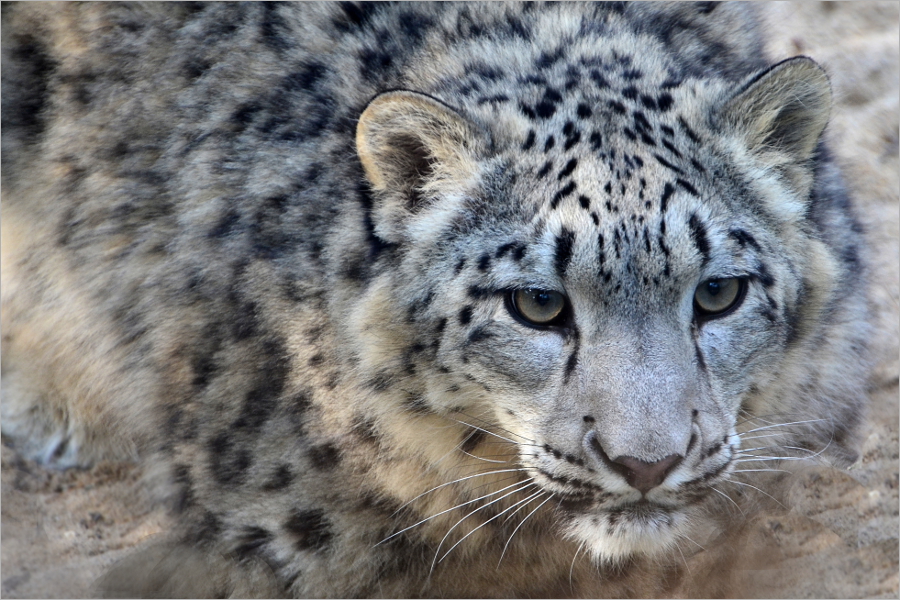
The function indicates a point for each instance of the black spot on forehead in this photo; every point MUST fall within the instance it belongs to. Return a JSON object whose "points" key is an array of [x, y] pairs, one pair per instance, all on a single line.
{"points": [[688, 187], [567, 190], [668, 146], [744, 238], [549, 144], [563, 252], [567, 170], [545, 109], [699, 236], [666, 163], [664, 102], [688, 131], [529, 141], [545, 169], [617, 106]]}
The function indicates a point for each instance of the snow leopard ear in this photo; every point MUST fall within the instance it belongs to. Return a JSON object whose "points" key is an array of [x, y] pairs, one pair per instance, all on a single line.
{"points": [[414, 148], [781, 113]]}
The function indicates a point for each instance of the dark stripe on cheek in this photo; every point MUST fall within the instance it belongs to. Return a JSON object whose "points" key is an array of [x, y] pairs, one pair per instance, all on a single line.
{"points": [[701, 362], [570, 365]]}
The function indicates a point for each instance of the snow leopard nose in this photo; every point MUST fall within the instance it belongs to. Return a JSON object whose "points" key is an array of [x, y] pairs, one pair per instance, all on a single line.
{"points": [[644, 476], [641, 475]]}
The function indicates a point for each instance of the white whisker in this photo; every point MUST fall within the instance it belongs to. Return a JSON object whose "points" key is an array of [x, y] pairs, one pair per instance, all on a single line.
{"points": [[486, 422], [758, 490], [502, 554], [461, 479], [451, 509], [781, 425], [489, 520], [760, 471], [572, 567], [730, 499], [487, 432], [482, 458], [449, 531]]}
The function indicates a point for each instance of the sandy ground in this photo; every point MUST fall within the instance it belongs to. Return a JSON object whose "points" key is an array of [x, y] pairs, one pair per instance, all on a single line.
{"points": [[833, 533]]}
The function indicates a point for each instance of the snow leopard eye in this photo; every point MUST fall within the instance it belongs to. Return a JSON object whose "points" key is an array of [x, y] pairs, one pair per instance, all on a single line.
{"points": [[718, 297], [537, 307]]}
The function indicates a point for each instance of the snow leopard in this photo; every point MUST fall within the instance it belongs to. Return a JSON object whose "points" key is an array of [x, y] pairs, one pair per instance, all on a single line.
{"points": [[423, 299]]}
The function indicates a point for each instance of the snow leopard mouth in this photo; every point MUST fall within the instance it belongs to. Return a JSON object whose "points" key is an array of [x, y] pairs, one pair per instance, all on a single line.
{"points": [[636, 512], [634, 528]]}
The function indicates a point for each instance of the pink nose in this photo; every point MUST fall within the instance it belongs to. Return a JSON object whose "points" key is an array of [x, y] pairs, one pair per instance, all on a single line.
{"points": [[644, 476], [641, 475]]}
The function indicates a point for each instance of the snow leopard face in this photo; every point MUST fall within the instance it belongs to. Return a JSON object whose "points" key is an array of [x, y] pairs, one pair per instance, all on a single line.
{"points": [[613, 292]]}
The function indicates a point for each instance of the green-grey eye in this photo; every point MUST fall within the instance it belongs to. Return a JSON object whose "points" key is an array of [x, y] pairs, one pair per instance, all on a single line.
{"points": [[716, 297], [538, 307]]}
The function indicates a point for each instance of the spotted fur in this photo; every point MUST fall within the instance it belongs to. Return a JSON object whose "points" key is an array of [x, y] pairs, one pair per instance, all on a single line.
{"points": [[274, 249]]}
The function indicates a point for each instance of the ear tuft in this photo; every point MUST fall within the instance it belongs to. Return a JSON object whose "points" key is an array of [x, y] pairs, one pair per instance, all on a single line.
{"points": [[782, 111]]}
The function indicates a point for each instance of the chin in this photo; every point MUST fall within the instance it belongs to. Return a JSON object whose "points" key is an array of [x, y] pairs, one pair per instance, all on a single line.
{"points": [[631, 531]]}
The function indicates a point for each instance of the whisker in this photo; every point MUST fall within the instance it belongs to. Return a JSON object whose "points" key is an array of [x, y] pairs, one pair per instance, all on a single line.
{"points": [[683, 559], [782, 425], [814, 455], [757, 448], [461, 479], [484, 459], [489, 520], [758, 490], [767, 435], [484, 485], [761, 458], [481, 429], [489, 423], [502, 554], [693, 542], [449, 531], [450, 509], [760, 471], [527, 441], [572, 567], [730, 499]]}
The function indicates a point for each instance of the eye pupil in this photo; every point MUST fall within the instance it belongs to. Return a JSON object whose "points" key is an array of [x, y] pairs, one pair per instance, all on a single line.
{"points": [[718, 297], [537, 307]]}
